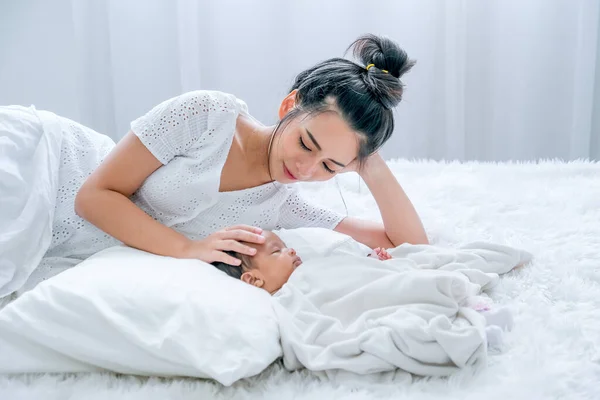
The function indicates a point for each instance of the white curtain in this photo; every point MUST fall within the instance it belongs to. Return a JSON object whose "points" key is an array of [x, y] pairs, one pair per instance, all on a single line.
{"points": [[494, 80]]}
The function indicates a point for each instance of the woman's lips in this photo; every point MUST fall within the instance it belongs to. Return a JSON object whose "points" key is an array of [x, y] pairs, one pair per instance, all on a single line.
{"points": [[288, 174]]}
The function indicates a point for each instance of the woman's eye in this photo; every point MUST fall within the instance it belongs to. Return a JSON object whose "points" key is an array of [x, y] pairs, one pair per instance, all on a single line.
{"points": [[305, 147], [328, 169]]}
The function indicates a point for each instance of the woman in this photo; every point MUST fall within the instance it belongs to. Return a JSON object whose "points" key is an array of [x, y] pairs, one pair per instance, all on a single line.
{"points": [[197, 175]]}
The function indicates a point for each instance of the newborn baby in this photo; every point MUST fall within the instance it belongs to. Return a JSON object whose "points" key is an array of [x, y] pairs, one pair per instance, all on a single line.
{"points": [[273, 263]]}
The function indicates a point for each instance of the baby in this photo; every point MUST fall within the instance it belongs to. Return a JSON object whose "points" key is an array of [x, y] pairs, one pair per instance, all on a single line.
{"points": [[273, 263]]}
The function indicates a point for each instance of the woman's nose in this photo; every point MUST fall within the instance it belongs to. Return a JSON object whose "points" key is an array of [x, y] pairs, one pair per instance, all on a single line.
{"points": [[306, 169]]}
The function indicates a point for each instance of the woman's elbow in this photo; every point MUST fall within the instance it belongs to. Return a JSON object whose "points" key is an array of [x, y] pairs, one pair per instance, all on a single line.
{"points": [[417, 239], [84, 201], [422, 240], [414, 240]]}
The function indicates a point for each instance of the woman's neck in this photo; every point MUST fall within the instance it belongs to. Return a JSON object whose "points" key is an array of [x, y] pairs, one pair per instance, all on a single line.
{"points": [[255, 141]]}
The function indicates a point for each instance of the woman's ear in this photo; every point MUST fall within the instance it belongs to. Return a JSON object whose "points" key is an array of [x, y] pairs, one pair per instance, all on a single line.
{"points": [[250, 278], [288, 103]]}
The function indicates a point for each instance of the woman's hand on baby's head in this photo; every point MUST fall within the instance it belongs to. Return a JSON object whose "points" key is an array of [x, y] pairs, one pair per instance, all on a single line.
{"points": [[212, 248]]}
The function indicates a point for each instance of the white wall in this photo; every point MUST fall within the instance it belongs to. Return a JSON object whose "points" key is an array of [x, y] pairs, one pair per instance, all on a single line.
{"points": [[494, 80]]}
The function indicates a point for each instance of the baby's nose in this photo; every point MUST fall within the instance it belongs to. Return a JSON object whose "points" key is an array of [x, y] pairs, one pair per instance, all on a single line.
{"points": [[292, 252]]}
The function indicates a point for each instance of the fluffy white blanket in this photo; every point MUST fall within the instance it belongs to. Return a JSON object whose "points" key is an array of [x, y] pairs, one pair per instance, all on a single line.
{"points": [[549, 208]]}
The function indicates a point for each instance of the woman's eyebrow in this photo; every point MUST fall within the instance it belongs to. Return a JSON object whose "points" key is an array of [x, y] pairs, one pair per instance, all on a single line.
{"points": [[312, 138]]}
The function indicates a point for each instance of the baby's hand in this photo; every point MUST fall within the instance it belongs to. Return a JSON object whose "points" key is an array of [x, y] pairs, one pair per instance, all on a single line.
{"points": [[380, 254]]}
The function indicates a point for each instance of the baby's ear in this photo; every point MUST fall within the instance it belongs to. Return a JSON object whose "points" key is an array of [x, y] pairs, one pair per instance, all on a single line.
{"points": [[251, 279]]}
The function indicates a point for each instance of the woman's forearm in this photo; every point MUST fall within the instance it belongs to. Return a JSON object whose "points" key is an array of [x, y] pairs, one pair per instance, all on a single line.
{"points": [[400, 219], [118, 216]]}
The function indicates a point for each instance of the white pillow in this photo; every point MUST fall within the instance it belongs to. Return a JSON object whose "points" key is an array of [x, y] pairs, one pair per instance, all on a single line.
{"points": [[321, 242], [132, 312]]}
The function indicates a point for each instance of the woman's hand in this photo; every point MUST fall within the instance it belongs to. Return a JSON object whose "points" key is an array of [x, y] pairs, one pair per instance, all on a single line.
{"points": [[354, 167], [401, 224], [212, 248]]}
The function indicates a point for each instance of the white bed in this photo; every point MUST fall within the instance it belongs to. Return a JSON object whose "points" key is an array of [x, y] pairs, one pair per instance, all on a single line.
{"points": [[551, 209]]}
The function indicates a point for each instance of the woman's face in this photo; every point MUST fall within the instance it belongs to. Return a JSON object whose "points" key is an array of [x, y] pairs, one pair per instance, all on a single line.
{"points": [[313, 148]]}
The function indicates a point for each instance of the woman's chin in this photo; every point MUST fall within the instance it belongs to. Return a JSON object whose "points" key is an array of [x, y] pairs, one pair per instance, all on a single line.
{"points": [[285, 181]]}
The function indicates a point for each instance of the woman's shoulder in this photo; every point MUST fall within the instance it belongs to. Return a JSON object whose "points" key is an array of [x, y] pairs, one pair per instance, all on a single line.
{"points": [[210, 101], [187, 121]]}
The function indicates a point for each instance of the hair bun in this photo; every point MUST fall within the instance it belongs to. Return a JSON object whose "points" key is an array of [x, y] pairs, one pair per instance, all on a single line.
{"points": [[383, 52], [386, 55]]}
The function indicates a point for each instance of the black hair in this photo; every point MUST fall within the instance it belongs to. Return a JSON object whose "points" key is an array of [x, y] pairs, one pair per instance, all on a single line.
{"points": [[234, 271], [364, 97]]}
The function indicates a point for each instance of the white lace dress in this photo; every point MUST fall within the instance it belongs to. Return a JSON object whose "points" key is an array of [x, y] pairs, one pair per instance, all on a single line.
{"points": [[190, 135]]}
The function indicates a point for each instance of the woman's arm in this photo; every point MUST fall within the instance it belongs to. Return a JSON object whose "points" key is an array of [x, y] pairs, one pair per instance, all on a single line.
{"points": [[401, 224], [104, 201]]}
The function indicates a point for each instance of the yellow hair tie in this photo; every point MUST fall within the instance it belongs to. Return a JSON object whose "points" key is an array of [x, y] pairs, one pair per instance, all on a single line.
{"points": [[372, 65]]}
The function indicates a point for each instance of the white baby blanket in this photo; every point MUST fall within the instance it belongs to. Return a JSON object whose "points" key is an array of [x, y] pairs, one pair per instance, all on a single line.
{"points": [[363, 315]]}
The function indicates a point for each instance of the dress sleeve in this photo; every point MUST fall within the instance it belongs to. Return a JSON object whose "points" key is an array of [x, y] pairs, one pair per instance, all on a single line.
{"points": [[188, 121], [298, 212]]}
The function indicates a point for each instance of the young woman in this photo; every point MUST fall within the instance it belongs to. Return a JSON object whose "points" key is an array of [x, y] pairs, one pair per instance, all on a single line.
{"points": [[198, 175]]}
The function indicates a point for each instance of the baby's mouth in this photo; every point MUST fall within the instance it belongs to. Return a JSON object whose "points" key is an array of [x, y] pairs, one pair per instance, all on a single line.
{"points": [[297, 262]]}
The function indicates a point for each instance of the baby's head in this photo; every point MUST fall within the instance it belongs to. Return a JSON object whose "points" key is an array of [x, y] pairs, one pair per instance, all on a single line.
{"points": [[269, 268]]}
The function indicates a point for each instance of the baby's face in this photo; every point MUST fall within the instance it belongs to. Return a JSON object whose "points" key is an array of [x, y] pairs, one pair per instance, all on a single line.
{"points": [[273, 262]]}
